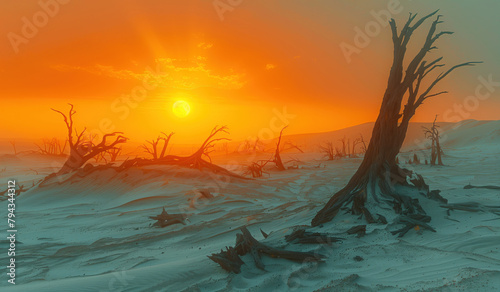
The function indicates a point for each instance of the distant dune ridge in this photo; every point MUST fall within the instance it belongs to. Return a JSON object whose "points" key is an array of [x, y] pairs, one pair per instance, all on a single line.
{"points": [[461, 134], [464, 133]]}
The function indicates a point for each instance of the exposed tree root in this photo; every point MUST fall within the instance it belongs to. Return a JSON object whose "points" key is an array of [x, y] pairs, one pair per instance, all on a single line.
{"points": [[165, 219], [302, 236], [412, 221], [256, 169], [206, 194], [389, 190], [472, 207], [230, 261], [482, 187], [360, 230]]}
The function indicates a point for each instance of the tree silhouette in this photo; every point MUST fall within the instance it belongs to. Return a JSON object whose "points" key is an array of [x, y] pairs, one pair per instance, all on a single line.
{"points": [[328, 150], [80, 149], [379, 183], [200, 159], [432, 134], [154, 149], [277, 157]]}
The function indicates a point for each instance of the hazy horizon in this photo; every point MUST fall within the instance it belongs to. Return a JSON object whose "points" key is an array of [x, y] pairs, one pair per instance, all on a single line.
{"points": [[290, 60]]}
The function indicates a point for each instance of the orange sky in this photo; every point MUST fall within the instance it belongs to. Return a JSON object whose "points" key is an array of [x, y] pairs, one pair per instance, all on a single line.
{"points": [[262, 58]]}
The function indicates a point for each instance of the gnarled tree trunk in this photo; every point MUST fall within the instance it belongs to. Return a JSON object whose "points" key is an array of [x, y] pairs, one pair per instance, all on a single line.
{"points": [[380, 184]]}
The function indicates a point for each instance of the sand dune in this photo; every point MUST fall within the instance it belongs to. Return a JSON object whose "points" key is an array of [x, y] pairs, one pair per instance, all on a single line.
{"points": [[93, 233]]}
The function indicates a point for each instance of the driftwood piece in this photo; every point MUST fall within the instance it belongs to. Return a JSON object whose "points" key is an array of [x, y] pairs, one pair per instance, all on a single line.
{"points": [[412, 221], [302, 236], [472, 207], [360, 230], [229, 260], [206, 194], [481, 187], [246, 243], [165, 219], [435, 195]]}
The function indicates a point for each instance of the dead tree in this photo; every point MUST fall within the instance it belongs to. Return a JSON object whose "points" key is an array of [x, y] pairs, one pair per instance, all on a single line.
{"points": [[257, 146], [344, 145], [225, 148], [355, 143], [230, 259], [13, 143], [433, 135], [416, 160], [379, 183], [363, 144], [80, 150], [51, 147], [195, 160], [277, 157], [114, 153], [338, 153], [165, 219], [328, 150], [154, 149], [290, 145], [256, 169]]}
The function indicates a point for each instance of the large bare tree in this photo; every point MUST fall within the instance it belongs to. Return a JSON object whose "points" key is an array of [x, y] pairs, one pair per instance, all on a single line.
{"points": [[81, 150], [379, 184]]}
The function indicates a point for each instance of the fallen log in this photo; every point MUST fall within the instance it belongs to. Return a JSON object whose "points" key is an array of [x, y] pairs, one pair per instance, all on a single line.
{"points": [[412, 221], [229, 260], [469, 186], [304, 237], [195, 160], [165, 219], [471, 207], [360, 230], [246, 243]]}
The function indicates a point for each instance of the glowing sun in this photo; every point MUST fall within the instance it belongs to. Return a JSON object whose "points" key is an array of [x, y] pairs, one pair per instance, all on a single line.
{"points": [[181, 108]]}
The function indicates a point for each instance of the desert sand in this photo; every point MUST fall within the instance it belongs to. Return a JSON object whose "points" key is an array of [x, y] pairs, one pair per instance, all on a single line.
{"points": [[93, 232]]}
